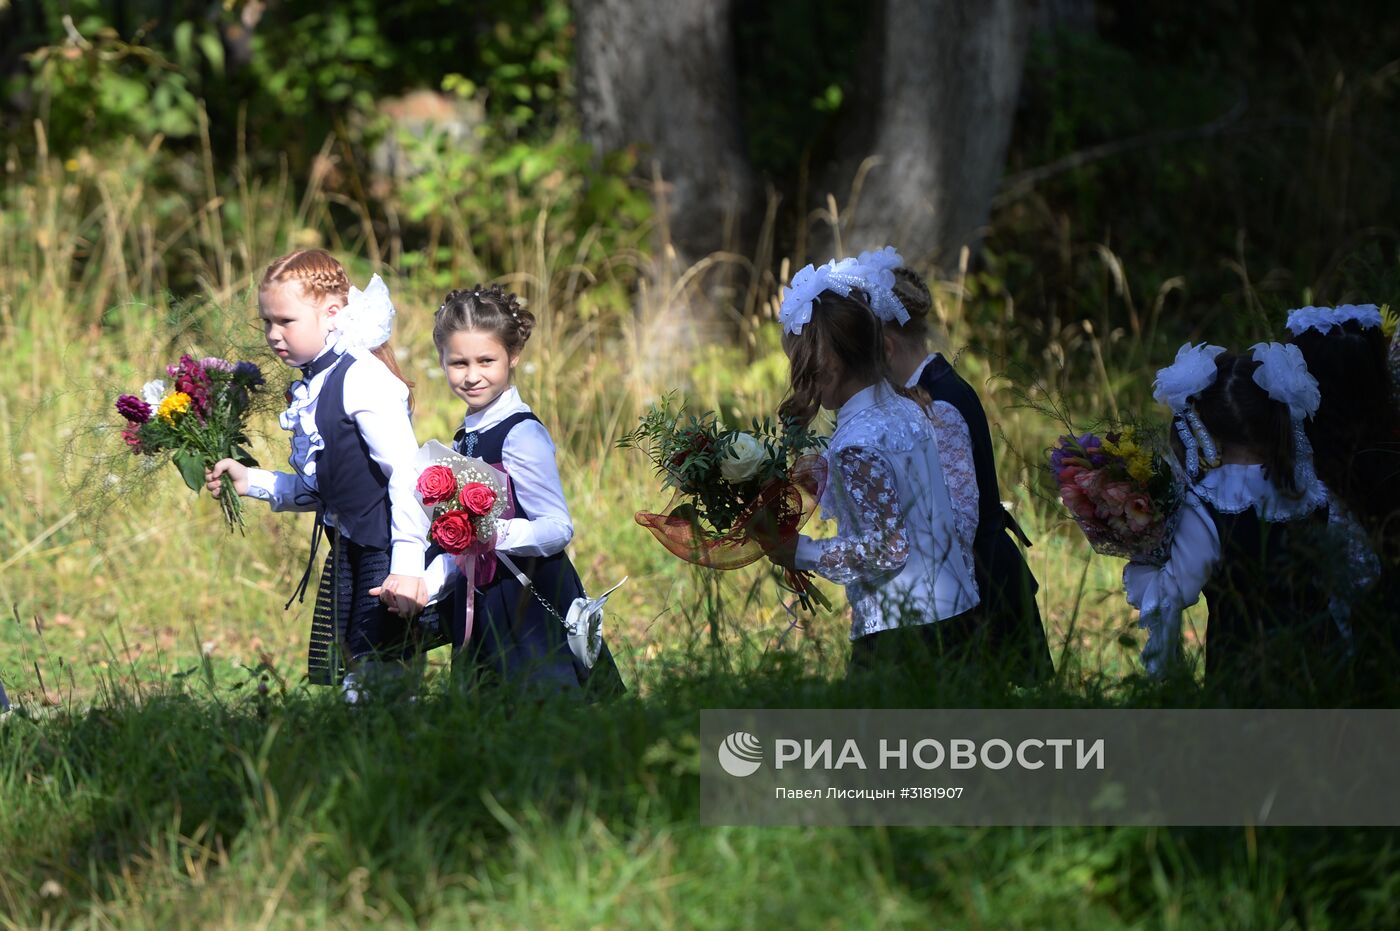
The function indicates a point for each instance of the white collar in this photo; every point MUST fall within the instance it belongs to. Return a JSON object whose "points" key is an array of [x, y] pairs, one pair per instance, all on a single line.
{"points": [[332, 340], [880, 394], [919, 372], [866, 397], [506, 404], [1236, 487]]}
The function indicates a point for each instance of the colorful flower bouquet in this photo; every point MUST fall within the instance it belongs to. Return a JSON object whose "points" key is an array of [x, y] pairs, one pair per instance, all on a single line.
{"points": [[198, 420], [1123, 495], [736, 495]]}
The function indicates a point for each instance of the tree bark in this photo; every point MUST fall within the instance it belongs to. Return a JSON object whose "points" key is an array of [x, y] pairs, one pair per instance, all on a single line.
{"points": [[936, 114], [661, 76]]}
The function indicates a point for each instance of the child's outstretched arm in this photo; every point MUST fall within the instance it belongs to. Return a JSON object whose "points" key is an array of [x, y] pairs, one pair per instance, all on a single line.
{"points": [[529, 458], [378, 402], [284, 491]]}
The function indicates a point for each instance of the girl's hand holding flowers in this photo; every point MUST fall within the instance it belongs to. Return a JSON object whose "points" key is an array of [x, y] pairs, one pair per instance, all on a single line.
{"points": [[235, 470], [737, 495]]}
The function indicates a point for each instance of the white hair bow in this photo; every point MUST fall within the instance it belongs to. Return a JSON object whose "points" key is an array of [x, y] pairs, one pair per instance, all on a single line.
{"points": [[1284, 374], [870, 272], [367, 319], [810, 281], [1191, 373], [1323, 319]]}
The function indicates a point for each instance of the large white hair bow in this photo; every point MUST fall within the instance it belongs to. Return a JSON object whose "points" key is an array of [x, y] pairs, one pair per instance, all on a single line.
{"points": [[367, 318], [877, 271], [1284, 375], [810, 281], [1191, 373], [871, 272], [1323, 319]]}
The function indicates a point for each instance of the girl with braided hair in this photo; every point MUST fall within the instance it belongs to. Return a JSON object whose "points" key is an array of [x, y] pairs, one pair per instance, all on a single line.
{"points": [[517, 636], [352, 462]]}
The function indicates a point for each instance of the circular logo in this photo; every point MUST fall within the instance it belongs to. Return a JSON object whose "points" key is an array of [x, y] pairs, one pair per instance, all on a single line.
{"points": [[741, 754]]}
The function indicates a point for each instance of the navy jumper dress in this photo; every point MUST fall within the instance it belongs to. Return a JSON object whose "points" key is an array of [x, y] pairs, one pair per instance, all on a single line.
{"points": [[349, 625], [515, 639]]}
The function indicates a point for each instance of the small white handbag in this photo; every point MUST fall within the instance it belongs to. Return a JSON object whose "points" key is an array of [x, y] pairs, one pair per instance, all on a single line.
{"points": [[584, 622]]}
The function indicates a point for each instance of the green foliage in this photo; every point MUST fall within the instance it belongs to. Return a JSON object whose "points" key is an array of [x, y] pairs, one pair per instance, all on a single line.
{"points": [[105, 87], [797, 65], [1239, 160]]}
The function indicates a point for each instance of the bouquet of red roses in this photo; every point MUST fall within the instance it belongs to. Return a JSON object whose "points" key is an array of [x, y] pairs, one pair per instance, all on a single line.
{"points": [[737, 494], [198, 420], [1120, 493], [463, 498]]}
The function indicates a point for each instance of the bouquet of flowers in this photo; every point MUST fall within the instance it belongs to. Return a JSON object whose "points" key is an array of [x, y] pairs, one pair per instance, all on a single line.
{"points": [[1123, 495], [736, 495], [463, 498], [198, 420]]}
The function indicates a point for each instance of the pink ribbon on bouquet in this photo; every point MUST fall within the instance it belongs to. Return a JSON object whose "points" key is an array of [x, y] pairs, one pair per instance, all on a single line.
{"points": [[478, 563]]}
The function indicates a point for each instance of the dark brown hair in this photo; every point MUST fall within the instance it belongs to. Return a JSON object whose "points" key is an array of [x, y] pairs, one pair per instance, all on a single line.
{"points": [[843, 331], [1237, 411], [912, 291], [491, 310], [1355, 433], [320, 275]]}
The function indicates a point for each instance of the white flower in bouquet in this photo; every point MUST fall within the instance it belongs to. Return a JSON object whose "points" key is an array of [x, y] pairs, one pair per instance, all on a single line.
{"points": [[744, 458], [153, 391]]}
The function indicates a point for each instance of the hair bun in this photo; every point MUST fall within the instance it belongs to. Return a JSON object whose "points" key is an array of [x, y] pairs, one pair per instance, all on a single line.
{"points": [[912, 291]]}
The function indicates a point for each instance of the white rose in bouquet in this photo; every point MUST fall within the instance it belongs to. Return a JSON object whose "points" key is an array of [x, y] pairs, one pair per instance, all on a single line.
{"points": [[744, 459]]}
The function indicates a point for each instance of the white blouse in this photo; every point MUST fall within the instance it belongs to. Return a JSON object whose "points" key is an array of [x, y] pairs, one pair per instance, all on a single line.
{"points": [[903, 544], [1162, 593], [528, 456], [378, 402]]}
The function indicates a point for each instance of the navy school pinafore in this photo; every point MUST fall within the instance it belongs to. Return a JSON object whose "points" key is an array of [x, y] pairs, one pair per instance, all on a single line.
{"points": [[349, 625], [515, 639]]}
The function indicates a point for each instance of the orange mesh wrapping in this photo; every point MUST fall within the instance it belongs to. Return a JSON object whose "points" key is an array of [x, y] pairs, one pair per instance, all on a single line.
{"points": [[775, 516]]}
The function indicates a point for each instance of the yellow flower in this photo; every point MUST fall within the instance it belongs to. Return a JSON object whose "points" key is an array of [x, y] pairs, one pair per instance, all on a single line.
{"points": [[1126, 446], [1140, 466], [1389, 319], [172, 405]]}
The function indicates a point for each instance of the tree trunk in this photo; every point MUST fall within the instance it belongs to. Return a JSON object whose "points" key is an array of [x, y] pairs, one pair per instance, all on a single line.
{"points": [[936, 114], [661, 76]]}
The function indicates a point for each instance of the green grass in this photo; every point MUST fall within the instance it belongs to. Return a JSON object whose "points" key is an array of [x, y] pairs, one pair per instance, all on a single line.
{"points": [[209, 806], [167, 769]]}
